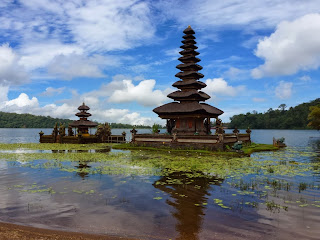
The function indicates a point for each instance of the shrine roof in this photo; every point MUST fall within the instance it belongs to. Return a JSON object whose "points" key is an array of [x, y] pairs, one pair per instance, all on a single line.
{"points": [[83, 107], [83, 123], [176, 108]]}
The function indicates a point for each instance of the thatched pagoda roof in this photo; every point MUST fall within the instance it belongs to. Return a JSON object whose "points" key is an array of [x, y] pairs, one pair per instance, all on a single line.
{"points": [[189, 95], [184, 109], [83, 123], [192, 84], [83, 107], [83, 114]]}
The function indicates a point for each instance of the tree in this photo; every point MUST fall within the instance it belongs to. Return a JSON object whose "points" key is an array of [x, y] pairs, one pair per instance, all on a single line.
{"points": [[282, 107], [314, 117]]}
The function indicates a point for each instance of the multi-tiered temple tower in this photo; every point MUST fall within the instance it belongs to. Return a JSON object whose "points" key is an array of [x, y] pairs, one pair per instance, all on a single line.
{"points": [[188, 115]]}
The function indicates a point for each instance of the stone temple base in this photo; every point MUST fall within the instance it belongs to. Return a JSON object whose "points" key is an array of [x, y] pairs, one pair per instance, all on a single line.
{"points": [[209, 142]]}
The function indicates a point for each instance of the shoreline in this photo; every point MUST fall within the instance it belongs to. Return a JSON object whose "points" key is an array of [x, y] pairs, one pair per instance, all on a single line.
{"points": [[20, 232]]}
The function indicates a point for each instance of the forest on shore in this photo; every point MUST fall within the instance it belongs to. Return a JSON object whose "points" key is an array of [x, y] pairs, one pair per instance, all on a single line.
{"points": [[281, 118], [15, 120]]}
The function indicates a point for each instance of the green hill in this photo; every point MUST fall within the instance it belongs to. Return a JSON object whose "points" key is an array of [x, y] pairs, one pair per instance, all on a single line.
{"points": [[293, 118], [14, 120]]}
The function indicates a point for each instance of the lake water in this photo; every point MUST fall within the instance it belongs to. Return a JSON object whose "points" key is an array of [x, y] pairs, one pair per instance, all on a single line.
{"points": [[165, 195]]}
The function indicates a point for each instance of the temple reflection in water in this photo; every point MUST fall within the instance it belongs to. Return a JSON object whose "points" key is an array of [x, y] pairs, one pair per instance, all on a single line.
{"points": [[189, 196]]}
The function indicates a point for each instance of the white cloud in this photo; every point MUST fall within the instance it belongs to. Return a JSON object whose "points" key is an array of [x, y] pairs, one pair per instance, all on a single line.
{"points": [[21, 104], [236, 13], [283, 90], [70, 37], [305, 78], [38, 55], [75, 65], [234, 73], [121, 116], [251, 42], [3, 93], [110, 25], [219, 86], [24, 104], [11, 72], [143, 93], [292, 47], [50, 91], [173, 53]]}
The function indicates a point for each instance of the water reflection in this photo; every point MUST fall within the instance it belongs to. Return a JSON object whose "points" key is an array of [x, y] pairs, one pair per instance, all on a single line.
{"points": [[314, 142], [189, 197], [83, 168]]}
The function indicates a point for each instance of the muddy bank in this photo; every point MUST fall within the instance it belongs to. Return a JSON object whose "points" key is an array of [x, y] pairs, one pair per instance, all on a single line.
{"points": [[10, 231]]}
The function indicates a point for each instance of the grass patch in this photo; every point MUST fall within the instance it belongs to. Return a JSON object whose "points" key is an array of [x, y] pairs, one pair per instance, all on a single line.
{"points": [[258, 147]]}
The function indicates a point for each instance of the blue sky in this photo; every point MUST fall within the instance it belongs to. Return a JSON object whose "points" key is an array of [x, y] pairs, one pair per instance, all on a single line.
{"points": [[120, 56]]}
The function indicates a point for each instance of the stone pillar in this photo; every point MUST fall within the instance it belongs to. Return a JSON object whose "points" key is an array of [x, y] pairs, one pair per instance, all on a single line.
{"points": [[41, 134], [133, 132]]}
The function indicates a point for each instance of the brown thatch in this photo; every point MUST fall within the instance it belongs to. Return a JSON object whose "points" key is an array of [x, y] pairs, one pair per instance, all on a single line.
{"points": [[193, 84], [188, 30], [83, 107], [189, 95], [189, 59], [83, 123], [83, 114], [189, 66], [182, 108], [193, 75]]}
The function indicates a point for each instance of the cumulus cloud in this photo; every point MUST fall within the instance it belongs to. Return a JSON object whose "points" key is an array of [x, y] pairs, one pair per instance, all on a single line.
{"points": [[50, 91], [11, 71], [142, 93], [283, 90], [219, 86], [122, 116], [292, 47], [25, 104], [21, 104]]}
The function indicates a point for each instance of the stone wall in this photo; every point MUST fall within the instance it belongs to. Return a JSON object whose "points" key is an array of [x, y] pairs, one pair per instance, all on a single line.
{"points": [[211, 142]]}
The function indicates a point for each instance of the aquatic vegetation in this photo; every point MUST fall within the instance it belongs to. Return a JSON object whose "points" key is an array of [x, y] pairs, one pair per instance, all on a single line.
{"points": [[245, 182], [52, 146]]}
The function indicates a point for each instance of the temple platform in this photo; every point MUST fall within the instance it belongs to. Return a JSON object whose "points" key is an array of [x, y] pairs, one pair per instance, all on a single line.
{"points": [[82, 139], [208, 142]]}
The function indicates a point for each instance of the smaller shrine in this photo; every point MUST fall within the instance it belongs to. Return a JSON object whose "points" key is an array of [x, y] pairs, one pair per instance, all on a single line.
{"points": [[83, 124], [81, 133]]}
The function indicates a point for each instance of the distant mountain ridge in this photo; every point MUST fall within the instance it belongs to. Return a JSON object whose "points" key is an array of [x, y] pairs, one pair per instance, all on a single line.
{"points": [[293, 118], [15, 120]]}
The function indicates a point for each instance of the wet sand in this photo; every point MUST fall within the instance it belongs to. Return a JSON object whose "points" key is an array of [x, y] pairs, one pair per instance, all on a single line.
{"points": [[10, 231]]}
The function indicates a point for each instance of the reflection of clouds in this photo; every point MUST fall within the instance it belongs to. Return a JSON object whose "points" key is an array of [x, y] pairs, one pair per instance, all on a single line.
{"points": [[3, 165], [107, 204], [296, 223]]}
